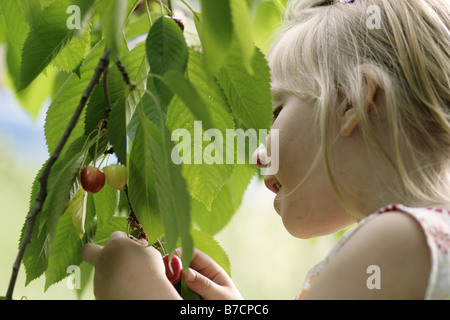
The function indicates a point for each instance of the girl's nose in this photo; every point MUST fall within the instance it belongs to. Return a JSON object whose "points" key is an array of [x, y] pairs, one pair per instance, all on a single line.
{"points": [[259, 157]]}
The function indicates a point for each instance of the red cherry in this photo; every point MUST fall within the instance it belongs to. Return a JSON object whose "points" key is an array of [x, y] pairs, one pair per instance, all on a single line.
{"points": [[174, 276], [179, 23], [92, 179]]}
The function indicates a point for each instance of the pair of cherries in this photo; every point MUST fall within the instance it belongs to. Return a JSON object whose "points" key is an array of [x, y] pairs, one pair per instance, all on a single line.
{"points": [[93, 179]]}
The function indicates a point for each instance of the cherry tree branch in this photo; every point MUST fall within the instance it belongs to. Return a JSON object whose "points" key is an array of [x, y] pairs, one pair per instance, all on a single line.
{"points": [[43, 179], [108, 106], [125, 75]]}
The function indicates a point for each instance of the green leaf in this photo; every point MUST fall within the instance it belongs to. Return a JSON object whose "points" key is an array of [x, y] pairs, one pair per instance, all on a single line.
{"points": [[204, 180], [45, 41], [248, 94], [60, 195], [65, 249], [104, 231], [35, 259], [32, 9], [17, 30], [142, 186], [106, 203], [207, 244], [243, 27], [190, 97], [77, 210], [136, 66], [217, 32], [67, 99], [36, 255], [113, 17], [173, 197], [117, 130], [71, 57], [267, 18], [12, 16], [166, 47], [60, 184], [166, 50], [150, 108], [226, 203]]}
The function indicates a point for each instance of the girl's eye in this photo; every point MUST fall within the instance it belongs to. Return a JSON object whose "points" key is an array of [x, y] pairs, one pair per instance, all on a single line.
{"points": [[276, 112]]}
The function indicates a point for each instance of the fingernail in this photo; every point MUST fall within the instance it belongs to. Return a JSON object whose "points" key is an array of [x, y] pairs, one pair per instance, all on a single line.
{"points": [[143, 242], [190, 277]]}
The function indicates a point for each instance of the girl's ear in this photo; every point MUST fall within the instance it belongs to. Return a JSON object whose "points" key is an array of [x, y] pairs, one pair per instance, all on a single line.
{"points": [[349, 122], [351, 117]]}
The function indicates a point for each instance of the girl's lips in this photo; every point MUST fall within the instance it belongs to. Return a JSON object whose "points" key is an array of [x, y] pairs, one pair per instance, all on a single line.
{"points": [[278, 187]]}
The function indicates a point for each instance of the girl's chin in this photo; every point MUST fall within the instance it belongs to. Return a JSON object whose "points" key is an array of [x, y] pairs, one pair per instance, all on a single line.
{"points": [[277, 206], [295, 224], [307, 227]]}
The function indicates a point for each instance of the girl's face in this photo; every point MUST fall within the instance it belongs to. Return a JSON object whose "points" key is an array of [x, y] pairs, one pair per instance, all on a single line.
{"points": [[305, 199]]}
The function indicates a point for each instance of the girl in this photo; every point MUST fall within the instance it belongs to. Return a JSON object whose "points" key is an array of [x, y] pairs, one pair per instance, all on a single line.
{"points": [[361, 92]]}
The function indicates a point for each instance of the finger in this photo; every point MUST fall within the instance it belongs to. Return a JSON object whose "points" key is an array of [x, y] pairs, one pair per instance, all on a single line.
{"points": [[117, 235], [120, 235], [206, 266], [143, 242], [201, 285], [90, 253]]}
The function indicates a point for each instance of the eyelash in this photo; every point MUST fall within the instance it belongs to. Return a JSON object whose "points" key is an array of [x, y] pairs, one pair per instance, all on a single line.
{"points": [[276, 112]]}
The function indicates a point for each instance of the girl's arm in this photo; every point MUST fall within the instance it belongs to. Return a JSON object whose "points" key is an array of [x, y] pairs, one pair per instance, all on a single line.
{"points": [[396, 245]]}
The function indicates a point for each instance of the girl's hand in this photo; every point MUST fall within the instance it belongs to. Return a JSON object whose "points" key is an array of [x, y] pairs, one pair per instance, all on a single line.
{"points": [[128, 269], [208, 279]]}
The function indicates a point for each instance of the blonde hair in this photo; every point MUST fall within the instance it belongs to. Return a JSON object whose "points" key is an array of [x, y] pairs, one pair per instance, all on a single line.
{"points": [[326, 49]]}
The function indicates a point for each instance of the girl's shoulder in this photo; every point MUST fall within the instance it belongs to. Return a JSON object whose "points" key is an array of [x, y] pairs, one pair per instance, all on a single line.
{"points": [[397, 252]]}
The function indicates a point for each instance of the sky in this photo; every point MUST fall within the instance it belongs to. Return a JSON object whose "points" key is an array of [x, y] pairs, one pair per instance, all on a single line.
{"points": [[20, 133]]}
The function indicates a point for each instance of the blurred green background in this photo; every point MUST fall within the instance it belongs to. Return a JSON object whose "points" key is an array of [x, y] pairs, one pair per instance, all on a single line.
{"points": [[266, 262]]}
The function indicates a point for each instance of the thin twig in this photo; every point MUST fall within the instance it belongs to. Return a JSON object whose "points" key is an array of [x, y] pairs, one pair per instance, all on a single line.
{"points": [[108, 106], [125, 75], [43, 179]]}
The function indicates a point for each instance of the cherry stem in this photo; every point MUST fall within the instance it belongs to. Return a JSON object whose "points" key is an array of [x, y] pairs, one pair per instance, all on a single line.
{"points": [[149, 16], [96, 142], [189, 6], [133, 220], [169, 3]]}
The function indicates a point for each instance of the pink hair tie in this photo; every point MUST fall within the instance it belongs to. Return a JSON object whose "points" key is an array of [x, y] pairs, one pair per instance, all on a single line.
{"points": [[347, 1]]}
